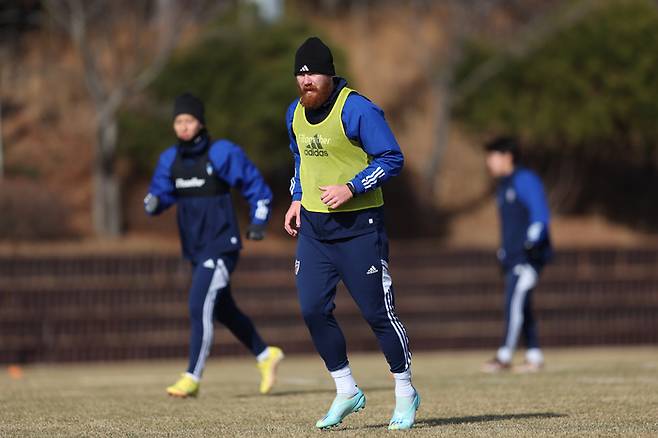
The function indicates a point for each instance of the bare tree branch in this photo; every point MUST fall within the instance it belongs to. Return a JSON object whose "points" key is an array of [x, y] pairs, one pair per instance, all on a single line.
{"points": [[78, 32], [464, 24], [532, 37], [168, 32], [94, 27]]}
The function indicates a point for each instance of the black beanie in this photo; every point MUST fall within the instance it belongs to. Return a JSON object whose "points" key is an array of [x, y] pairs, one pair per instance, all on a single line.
{"points": [[506, 145], [187, 103], [313, 56]]}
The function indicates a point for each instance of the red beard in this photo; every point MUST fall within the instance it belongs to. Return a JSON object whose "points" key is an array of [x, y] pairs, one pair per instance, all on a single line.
{"points": [[313, 97]]}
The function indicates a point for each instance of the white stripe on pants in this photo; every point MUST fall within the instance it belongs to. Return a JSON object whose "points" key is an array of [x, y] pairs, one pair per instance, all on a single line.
{"points": [[387, 282], [526, 281], [219, 281]]}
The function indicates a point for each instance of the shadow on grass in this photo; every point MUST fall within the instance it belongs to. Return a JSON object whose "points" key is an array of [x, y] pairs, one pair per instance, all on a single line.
{"points": [[329, 392], [431, 422], [485, 418]]}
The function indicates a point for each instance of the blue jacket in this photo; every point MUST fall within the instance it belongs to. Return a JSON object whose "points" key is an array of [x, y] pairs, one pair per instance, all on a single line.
{"points": [[524, 220], [364, 123], [198, 178]]}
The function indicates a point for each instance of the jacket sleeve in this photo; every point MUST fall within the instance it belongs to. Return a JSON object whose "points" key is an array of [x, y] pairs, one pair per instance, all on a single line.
{"points": [[531, 192], [364, 123], [233, 166], [161, 184], [295, 184]]}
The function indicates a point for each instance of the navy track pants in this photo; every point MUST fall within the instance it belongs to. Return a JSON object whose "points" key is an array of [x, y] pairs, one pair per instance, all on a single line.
{"points": [[519, 317], [210, 298], [361, 262]]}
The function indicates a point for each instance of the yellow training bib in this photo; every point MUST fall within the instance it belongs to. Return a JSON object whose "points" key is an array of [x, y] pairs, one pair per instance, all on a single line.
{"points": [[328, 157]]}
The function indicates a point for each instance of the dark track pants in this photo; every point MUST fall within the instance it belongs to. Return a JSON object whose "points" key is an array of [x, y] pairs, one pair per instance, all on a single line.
{"points": [[519, 317], [210, 298], [361, 262]]}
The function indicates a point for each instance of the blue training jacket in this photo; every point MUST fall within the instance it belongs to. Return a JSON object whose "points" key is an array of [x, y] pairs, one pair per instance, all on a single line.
{"points": [[524, 219], [198, 179], [364, 123]]}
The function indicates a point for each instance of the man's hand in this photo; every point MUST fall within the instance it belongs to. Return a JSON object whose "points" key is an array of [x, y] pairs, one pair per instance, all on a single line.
{"points": [[151, 203], [335, 196], [256, 232], [292, 221]]}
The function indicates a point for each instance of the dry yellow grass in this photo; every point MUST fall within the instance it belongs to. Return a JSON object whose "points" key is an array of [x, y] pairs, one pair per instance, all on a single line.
{"points": [[582, 392]]}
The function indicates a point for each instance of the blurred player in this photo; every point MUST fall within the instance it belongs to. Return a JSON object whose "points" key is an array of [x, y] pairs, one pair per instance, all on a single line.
{"points": [[343, 151], [197, 173], [525, 249]]}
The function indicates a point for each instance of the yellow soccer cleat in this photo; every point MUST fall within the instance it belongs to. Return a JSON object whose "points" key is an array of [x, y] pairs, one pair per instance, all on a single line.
{"points": [[268, 369], [185, 387]]}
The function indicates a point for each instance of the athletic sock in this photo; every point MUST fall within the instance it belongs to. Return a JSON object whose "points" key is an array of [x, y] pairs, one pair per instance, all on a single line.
{"points": [[504, 354], [403, 386], [193, 377], [345, 383], [263, 355], [534, 356]]}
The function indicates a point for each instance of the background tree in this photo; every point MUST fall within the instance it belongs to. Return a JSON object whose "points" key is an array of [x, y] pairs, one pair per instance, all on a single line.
{"points": [[16, 19], [123, 45], [530, 24], [585, 103], [241, 67]]}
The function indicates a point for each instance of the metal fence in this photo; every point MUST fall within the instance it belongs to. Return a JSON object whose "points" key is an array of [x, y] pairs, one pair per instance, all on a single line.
{"points": [[130, 307]]}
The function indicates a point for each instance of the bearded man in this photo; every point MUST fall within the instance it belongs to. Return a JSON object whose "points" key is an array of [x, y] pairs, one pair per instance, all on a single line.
{"points": [[343, 152]]}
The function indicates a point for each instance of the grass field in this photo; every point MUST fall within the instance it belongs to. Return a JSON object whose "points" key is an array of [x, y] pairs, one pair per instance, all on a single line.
{"points": [[582, 392]]}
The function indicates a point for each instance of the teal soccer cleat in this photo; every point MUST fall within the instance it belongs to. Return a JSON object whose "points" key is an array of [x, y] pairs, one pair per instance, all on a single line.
{"points": [[404, 414], [341, 408]]}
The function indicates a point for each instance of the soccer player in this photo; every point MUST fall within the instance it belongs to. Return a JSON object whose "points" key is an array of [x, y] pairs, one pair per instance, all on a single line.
{"points": [[525, 249], [197, 173], [343, 152]]}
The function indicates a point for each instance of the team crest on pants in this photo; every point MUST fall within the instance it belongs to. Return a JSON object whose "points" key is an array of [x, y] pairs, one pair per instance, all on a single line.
{"points": [[296, 266]]}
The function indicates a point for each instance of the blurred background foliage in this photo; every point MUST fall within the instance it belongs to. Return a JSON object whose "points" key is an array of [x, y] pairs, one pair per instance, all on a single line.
{"points": [[242, 68], [582, 96], [585, 105]]}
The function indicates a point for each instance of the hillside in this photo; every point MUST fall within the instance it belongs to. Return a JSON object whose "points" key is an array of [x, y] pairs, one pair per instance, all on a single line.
{"points": [[48, 130]]}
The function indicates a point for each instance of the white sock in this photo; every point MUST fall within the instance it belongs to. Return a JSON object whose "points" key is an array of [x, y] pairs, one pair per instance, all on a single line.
{"points": [[403, 386], [534, 356], [345, 383], [504, 354], [263, 355], [193, 377]]}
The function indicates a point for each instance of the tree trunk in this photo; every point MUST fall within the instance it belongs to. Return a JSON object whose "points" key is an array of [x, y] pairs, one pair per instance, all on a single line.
{"points": [[107, 200], [444, 98], [108, 91], [2, 148], [442, 95]]}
